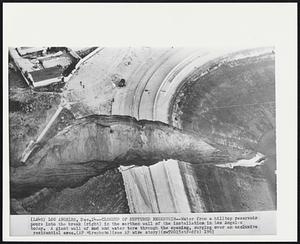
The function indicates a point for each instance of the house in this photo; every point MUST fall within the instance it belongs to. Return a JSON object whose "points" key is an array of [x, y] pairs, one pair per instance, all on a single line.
{"points": [[25, 51], [41, 66]]}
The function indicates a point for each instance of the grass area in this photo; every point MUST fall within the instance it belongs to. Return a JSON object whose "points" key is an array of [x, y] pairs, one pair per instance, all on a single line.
{"points": [[29, 112]]}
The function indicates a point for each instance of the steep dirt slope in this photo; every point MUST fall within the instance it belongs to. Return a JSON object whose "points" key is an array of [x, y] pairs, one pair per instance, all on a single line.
{"points": [[93, 144]]}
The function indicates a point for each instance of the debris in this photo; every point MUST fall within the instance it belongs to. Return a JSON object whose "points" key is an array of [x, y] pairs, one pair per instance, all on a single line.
{"points": [[122, 83]]}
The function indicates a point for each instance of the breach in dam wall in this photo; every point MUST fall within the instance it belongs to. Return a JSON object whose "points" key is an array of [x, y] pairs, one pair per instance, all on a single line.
{"points": [[93, 144]]}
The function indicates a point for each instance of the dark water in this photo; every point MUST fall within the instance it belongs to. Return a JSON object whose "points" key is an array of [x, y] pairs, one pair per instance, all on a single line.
{"points": [[234, 107]]}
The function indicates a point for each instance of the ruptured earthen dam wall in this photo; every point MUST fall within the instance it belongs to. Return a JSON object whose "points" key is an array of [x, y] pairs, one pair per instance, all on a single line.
{"points": [[93, 144], [192, 130]]}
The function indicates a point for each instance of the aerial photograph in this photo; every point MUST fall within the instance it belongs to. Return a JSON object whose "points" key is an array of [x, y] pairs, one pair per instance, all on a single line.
{"points": [[133, 130]]}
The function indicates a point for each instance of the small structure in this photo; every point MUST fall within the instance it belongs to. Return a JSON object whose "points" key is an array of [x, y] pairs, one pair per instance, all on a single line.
{"points": [[28, 51], [41, 66], [122, 83]]}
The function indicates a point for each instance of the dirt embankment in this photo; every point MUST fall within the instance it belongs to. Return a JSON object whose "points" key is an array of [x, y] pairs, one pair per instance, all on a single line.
{"points": [[94, 144], [102, 194], [29, 112]]}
